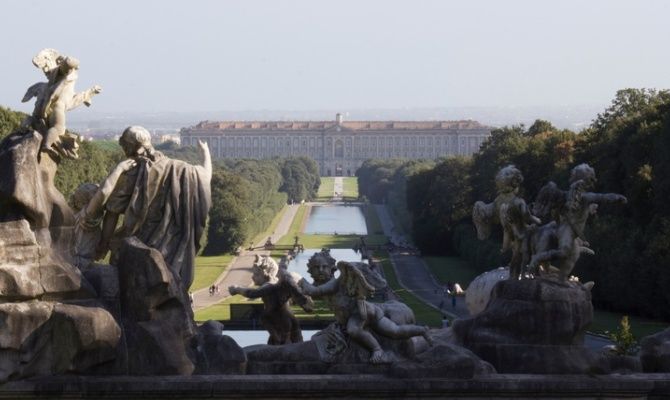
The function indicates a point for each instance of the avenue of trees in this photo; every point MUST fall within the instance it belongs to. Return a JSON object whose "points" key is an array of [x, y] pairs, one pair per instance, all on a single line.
{"points": [[246, 194], [628, 145]]}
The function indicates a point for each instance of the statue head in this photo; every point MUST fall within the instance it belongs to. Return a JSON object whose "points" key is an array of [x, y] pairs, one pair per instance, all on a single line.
{"points": [[53, 64], [321, 267], [360, 279], [264, 270], [136, 141], [48, 61], [83, 195], [583, 172], [508, 179]]}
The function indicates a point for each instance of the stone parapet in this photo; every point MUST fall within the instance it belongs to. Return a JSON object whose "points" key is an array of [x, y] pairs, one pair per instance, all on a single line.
{"points": [[636, 386]]}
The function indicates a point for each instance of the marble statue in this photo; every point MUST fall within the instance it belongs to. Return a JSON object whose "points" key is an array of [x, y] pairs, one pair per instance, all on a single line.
{"points": [[27, 190], [54, 98], [276, 287], [562, 241], [511, 212], [360, 318], [164, 203], [88, 202]]}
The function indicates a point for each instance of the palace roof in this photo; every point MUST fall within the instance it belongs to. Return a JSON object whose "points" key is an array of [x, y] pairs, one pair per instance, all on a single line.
{"points": [[217, 126]]}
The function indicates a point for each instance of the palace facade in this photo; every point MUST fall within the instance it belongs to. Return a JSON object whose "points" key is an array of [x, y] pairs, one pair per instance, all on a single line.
{"points": [[339, 147]]}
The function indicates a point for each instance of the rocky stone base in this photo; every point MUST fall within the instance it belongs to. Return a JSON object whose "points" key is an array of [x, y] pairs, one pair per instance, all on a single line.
{"points": [[50, 321], [47, 338], [655, 352]]}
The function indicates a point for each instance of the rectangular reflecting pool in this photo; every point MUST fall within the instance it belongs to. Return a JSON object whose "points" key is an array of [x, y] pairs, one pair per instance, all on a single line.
{"points": [[249, 337], [336, 219]]}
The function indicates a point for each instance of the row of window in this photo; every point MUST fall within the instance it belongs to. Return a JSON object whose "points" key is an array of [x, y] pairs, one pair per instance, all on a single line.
{"points": [[362, 147]]}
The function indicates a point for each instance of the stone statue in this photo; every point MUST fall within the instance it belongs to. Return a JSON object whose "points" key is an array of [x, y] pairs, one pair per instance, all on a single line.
{"points": [[562, 241], [27, 190], [88, 202], [53, 99], [511, 212], [347, 295], [276, 287], [164, 203]]}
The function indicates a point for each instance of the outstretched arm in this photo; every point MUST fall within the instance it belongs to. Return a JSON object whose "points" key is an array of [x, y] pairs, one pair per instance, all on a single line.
{"points": [[601, 198], [203, 147], [329, 287], [251, 293], [85, 97], [100, 198]]}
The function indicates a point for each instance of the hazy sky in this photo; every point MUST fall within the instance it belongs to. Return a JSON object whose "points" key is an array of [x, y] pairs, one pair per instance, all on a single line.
{"points": [[306, 55]]}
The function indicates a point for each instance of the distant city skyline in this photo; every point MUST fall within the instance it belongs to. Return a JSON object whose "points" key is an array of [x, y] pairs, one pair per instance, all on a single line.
{"points": [[256, 57]]}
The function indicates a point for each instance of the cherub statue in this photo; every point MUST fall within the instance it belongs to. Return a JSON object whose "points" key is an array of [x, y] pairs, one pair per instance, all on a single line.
{"points": [[347, 296], [511, 212], [53, 99], [276, 287], [570, 210]]}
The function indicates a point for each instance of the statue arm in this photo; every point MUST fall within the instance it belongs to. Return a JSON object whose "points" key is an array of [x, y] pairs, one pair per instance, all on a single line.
{"points": [[102, 195], [601, 198], [206, 156], [327, 288], [108, 227], [249, 292], [84, 97]]}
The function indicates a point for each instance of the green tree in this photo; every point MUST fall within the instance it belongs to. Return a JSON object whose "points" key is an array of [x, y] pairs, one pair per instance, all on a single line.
{"points": [[9, 121]]}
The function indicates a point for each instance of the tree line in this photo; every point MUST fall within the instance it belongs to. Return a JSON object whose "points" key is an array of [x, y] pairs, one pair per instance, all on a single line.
{"points": [[246, 194], [628, 144]]}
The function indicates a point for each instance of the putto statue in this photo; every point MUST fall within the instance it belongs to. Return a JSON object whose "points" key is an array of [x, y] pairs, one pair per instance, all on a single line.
{"points": [[276, 287], [511, 212], [562, 241], [53, 99], [360, 318]]}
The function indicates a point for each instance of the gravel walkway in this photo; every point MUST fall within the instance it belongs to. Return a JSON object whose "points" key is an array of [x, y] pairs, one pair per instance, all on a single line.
{"points": [[239, 272]]}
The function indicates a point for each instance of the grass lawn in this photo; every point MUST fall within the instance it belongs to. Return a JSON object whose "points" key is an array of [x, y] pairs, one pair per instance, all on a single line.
{"points": [[451, 269], [609, 321], [221, 311], [372, 220], [424, 314], [326, 192], [350, 186], [208, 268], [332, 241], [296, 224]]}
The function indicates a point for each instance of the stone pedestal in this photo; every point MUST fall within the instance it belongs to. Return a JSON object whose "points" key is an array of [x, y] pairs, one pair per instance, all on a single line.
{"points": [[533, 326]]}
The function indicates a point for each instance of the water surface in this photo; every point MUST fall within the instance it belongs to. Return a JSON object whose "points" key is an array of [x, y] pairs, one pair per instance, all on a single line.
{"points": [[336, 219]]}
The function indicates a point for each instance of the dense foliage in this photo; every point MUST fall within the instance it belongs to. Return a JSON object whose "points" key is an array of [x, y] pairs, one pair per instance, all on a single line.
{"points": [[385, 181], [9, 121], [628, 145]]}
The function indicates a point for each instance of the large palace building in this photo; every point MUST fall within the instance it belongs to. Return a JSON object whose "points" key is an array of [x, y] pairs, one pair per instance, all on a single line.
{"points": [[339, 147]]}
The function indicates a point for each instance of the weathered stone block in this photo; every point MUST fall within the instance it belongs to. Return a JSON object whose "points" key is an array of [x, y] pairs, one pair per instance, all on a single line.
{"points": [[46, 338], [655, 352]]}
